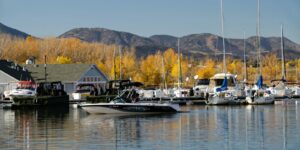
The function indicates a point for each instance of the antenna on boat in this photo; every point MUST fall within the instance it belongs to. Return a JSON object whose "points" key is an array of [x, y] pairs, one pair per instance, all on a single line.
{"points": [[282, 55], [223, 40], [179, 64]]}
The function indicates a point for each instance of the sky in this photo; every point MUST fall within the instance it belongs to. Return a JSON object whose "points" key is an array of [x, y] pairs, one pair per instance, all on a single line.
{"points": [[48, 18]]}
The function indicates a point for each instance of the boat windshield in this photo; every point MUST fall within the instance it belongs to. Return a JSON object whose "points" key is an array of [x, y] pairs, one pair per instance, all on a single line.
{"points": [[26, 85], [85, 89], [203, 82], [118, 100], [218, 82]]}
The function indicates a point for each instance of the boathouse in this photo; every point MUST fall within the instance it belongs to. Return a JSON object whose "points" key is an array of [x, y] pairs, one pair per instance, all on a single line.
{"points": [[69, 74], [10, 74]]}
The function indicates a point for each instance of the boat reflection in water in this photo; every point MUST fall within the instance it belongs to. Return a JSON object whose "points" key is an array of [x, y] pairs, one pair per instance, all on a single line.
{"points": [[203, 127]]}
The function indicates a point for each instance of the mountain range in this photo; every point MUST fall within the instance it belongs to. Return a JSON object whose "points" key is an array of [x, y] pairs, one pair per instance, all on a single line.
{"points": [[199, 45], [12, 32]]}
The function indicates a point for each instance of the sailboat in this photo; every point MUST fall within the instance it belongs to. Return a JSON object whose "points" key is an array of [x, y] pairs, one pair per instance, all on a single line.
{"points": [[180, 92], [221, 95], [279, 88], [259, 95]]}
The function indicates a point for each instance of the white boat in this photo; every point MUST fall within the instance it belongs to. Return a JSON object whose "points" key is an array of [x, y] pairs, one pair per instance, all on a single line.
{"points": [[24, 88], [296, 91], [181, 92], [279, 88], [258, 95], [222, 89], [220, 98], [121, 107], [84, 90], [128, 103], [151, 93], [200, 89]]}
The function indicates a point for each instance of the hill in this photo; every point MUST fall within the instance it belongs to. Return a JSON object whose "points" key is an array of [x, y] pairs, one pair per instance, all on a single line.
{"points": [[204, 44], [12, 32]]}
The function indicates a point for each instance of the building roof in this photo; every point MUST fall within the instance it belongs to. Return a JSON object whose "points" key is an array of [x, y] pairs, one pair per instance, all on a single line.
{"points": [[222, 75], [14, 70], [59, 72]]}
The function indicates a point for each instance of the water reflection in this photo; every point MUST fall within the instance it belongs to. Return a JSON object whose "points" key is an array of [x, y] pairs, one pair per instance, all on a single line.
{"points": [[203, 127]]}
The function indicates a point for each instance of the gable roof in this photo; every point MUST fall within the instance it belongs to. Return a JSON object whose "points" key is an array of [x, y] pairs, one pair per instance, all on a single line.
{"points": [[59, 72], [14, 70]]}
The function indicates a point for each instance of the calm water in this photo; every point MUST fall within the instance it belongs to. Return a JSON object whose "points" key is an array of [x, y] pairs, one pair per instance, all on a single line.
{"points": [[203, 127]]}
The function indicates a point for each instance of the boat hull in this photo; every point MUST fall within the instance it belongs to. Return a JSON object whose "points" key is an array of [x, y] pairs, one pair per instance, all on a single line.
{"points": [[129, 108], [260, 100], [218, 100]]}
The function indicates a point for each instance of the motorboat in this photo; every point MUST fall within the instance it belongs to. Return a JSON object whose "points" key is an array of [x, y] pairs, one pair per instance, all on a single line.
{"points": [[47, 93], [200, 89], [84, 90], [127, 103], [151, 93], [119, 107], [24, 88], [181, 92], [296, 91]]}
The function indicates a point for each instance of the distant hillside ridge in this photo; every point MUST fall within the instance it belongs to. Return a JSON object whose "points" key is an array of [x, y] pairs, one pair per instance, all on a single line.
{"points": [[12, 32], [204, 44]]}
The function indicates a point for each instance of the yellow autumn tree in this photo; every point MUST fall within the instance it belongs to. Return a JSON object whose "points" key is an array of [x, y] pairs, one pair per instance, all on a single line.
{"points": [[271, 67], [170, 59], [184, 70], [236, 67], [63, 60], [252, 74], [150, 69], [206, 70]]}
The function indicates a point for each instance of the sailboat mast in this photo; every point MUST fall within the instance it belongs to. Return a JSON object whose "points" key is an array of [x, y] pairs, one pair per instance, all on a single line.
{"points": [[115, 75], [245, 61], [120, 52], [179, 65], [164, 72], [224, 51], [282, 55], [258, 37]]}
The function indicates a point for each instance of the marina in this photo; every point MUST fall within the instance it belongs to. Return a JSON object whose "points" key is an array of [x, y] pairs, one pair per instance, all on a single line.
{"points": [[204, 127], [149, 75]]}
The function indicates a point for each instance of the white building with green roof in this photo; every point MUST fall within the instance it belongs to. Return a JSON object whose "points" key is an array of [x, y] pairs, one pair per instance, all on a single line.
{"points": [[69, 74]]}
